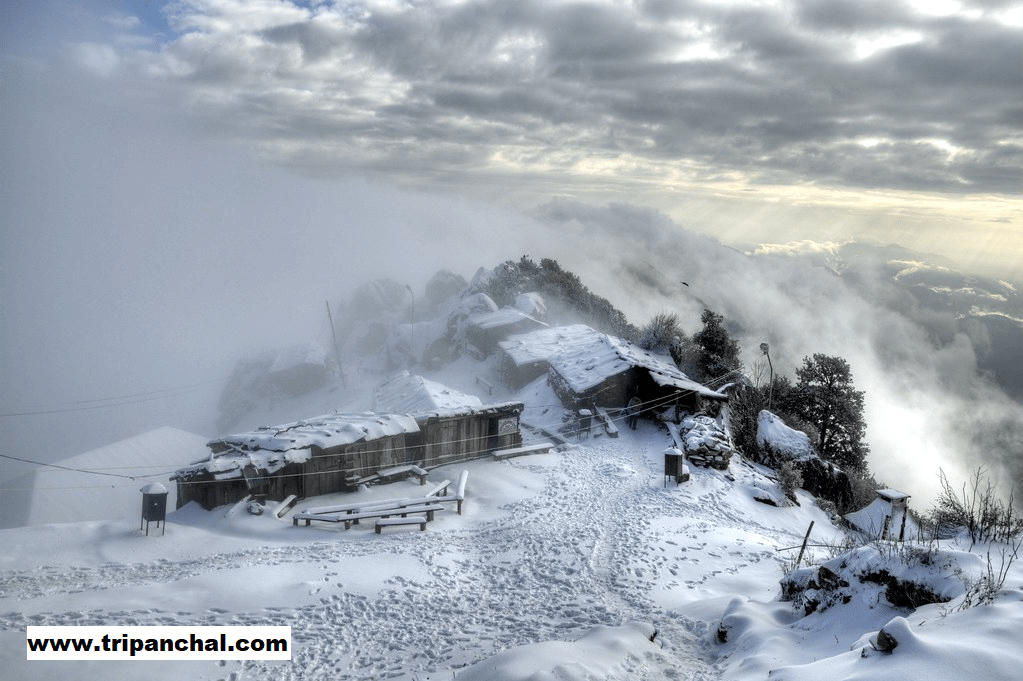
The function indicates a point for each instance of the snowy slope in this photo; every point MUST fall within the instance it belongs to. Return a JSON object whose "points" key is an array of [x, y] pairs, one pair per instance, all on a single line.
{"points": [[561, 567], [62, 493], [573, 546]]}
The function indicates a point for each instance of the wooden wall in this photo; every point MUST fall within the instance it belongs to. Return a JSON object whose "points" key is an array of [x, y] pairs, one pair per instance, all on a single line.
{"points": [[325, 472], [447, 439]]}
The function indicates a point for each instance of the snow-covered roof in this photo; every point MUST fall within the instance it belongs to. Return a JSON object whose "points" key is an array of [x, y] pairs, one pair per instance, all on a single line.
{"points": [[543, 345], [68, 492], [506, 316], [585, 358], [329, 430], [269, 448], [889, 494], [408, 393], [870, 519]]}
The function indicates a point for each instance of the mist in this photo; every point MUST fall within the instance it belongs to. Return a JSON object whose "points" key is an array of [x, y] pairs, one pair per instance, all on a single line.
{"points": [[142, 255], [928, 408], [140, 258]]}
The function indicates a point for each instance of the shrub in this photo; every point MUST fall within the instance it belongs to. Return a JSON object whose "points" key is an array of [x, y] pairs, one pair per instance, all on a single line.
{"points": [[744, 405], [662, 333], [790, 479], [864, 489], [976, 509]]}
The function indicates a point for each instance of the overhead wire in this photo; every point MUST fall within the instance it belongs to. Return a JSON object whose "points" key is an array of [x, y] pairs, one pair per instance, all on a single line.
{"points": [[116, 401], [645, 407]]}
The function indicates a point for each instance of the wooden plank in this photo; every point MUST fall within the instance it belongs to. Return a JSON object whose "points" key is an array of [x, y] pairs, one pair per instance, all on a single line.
{"points": [[609, 426], [539, 448], [550, 435], [285, 505], [439, 490], [355, 505], [394, 522]]}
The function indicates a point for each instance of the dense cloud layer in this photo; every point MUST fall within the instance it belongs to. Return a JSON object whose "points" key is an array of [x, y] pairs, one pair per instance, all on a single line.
{"points": [[880, 95], [927, 406]]}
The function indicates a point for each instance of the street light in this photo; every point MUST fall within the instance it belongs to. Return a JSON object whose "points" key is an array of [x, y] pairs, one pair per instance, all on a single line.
{"points": [[770, 390], [413, 327]]}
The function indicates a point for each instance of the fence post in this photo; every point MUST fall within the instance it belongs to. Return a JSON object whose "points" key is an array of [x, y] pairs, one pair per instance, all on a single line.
{"points": [[803, 547]]}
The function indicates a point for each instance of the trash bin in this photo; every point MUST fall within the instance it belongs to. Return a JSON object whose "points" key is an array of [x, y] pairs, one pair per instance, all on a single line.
{"points": [[674, 466], [154, 506]]}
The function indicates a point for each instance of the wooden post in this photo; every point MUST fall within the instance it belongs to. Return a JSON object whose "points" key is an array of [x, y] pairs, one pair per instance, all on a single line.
{"points": [[337, 353], [803, 547]]}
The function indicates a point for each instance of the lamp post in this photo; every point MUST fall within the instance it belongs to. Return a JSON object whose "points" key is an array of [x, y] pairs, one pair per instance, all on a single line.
{"points": [[770, 390], [413, 327]]}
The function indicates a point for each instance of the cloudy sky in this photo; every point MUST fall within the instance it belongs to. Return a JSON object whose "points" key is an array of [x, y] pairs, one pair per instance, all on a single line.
{"points": [[185, 182], [901, 121]]}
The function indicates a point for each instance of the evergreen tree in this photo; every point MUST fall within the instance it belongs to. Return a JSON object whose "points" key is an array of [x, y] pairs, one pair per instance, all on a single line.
{"points": [[560, 288], [718, 352], [825, 397]]}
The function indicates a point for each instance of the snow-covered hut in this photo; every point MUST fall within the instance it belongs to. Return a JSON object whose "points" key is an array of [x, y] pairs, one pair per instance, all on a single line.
{"points": [[452, 425], [305, 458], [886, 517], [587, 367], [486, 329]]}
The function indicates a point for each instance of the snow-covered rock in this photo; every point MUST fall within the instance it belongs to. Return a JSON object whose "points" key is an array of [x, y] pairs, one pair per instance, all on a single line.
{"points": [[706, 443], [783, 441]]}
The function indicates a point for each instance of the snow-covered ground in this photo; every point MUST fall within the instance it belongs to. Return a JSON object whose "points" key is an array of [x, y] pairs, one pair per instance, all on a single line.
{"points": [[563, 566], [570, 565]]}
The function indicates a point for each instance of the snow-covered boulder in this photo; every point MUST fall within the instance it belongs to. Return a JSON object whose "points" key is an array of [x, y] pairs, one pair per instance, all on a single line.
{"points": [[906, 575], [782, 443], [299, 370], [378, 297], [776, 437], [442, 286], [532, 304]]}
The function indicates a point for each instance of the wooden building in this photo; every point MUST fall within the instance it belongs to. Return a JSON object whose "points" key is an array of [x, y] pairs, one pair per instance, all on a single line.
{"points": [[486, 329], [453, 426], [886, 517], [588, 368], [306, 458]]}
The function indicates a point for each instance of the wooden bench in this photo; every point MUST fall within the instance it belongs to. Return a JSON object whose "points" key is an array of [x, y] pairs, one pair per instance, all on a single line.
{"points": [[439, 490], [539, 448], [485, 384], [285, 505], [459, 495], [354, 506], [395, 522], [396, 473], [350, 519]]}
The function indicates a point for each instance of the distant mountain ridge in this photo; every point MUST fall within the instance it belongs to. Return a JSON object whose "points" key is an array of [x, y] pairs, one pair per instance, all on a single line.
{"points": [[929, 288]]}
